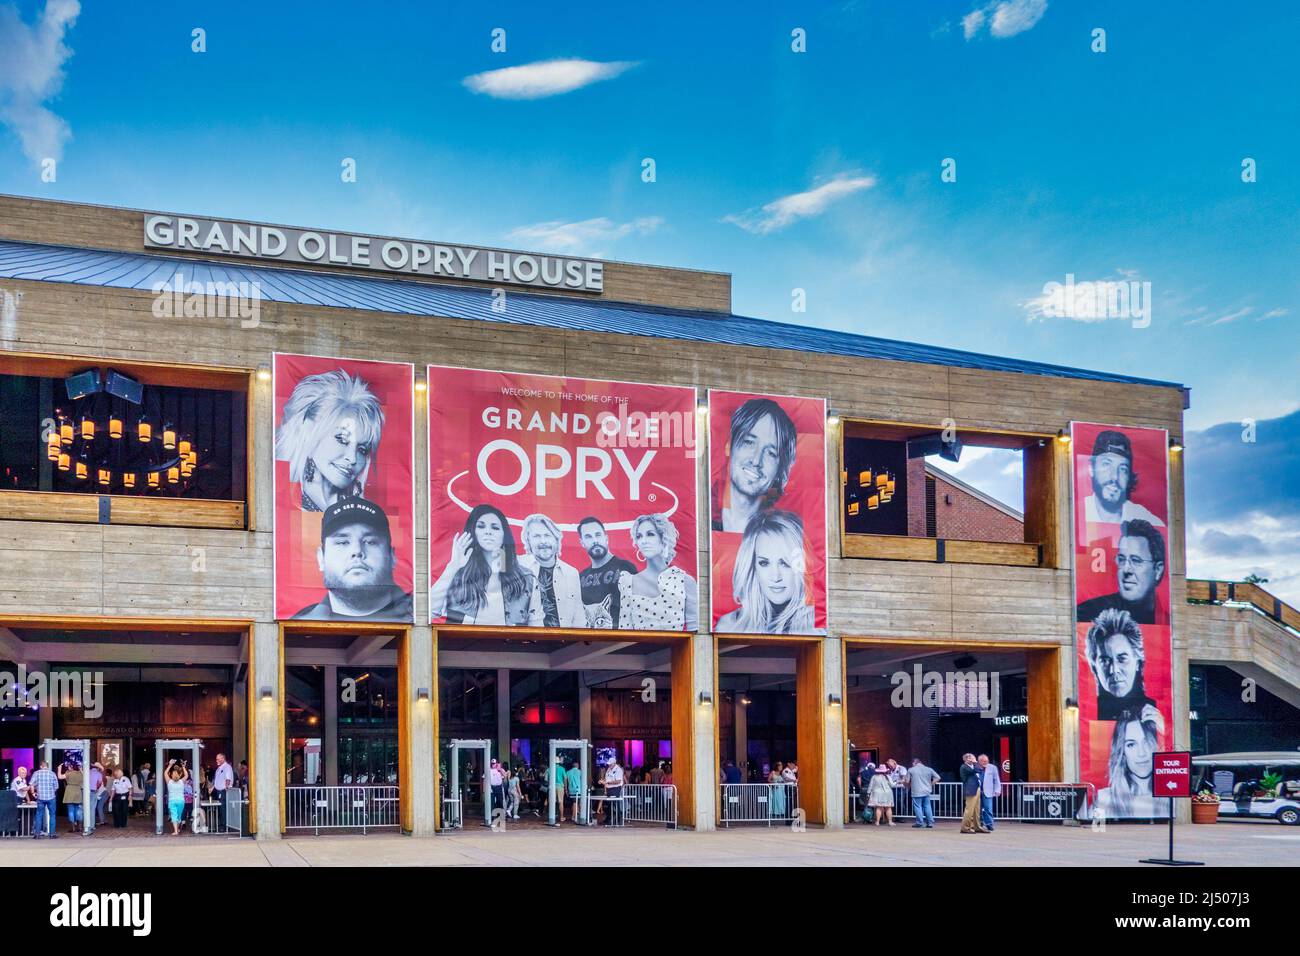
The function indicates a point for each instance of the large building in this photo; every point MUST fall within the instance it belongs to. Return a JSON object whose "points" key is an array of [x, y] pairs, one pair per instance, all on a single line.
{"points": [[156, 563]]}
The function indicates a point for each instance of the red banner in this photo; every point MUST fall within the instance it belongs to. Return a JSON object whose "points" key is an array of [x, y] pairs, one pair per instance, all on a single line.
{"points": [[561, 502], [1121, 504], [344, 489], [767, 492]]}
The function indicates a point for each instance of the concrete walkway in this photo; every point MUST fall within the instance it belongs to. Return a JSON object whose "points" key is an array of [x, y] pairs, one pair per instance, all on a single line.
{"points": [[1242, 844]]}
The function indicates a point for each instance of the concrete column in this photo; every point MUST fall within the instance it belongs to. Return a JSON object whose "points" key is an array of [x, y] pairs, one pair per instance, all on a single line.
{"points": [[503, 714], [741, 720], [329, 744], [834, 759], [696, 769], [584, 707], [44, 716], [267, 732], [423, 766]]}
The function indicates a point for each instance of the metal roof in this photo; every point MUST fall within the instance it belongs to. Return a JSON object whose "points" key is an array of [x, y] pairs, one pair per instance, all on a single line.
{"points": [[134, 270]]}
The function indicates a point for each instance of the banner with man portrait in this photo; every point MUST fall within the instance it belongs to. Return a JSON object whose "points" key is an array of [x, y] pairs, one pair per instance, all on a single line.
{"points": [[344, 489], [767, 493], [1121, 585], [561, 502]]}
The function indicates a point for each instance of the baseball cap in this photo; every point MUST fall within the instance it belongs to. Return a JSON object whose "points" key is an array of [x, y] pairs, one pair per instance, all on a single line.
{"points": [[1113, 442], [348, 511]]}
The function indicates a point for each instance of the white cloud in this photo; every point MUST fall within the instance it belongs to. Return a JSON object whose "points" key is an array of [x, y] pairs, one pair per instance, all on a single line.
{"points": [[1004, 18], [1273, 314], [585, 238], [779, 213], [31, 73], [1233, 316], [1092, 300], [533, 81]]}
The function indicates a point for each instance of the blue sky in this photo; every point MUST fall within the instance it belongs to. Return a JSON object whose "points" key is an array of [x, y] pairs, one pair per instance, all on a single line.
{"points": [[817, 170]]}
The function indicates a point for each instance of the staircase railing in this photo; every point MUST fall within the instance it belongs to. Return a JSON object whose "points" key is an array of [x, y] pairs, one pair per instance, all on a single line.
{"points": [[1242, 592]]}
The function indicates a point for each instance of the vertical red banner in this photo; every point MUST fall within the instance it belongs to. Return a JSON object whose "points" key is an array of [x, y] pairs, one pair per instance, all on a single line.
{"points": [[344, 489], [1121, 582], [767, 493], [561, 502]]}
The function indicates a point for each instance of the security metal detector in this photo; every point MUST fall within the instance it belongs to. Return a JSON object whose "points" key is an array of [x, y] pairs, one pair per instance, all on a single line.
{"points": [[456, 746], [87, 799], [553, 788], [160, 777]]}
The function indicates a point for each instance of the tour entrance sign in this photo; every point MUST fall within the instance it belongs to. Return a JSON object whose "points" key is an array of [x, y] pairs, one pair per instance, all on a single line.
{"points": [[1171, 777]]}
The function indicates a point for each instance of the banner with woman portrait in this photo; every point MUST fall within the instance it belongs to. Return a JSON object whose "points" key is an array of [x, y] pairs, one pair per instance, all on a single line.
{"points": [[1121, 591], [767, 492], [561, 502], [344, 489]]}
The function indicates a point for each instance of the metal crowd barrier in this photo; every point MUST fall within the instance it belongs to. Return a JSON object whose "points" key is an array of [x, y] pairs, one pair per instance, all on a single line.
{"points": [[650, 803], [341, 808], [1021, 802], [758, 803]]}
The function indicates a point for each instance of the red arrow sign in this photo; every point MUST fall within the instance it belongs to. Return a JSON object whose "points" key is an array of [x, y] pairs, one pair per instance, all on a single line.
{"points": [[1172, 774]]}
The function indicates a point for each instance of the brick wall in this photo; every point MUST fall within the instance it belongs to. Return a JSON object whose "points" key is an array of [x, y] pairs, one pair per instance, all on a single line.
{"points": [[961, 515]]}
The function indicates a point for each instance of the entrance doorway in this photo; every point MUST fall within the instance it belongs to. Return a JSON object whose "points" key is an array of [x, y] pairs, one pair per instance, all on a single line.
{"points": [[74, 759], [468, 761], [574, 792]]}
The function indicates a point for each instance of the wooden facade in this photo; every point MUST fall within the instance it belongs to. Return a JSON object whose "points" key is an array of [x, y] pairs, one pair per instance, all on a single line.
{"points": [[63, 562]]}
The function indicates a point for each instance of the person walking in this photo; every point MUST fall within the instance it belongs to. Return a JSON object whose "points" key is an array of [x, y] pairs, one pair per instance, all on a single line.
{"points": [[177, 776], [971, 784], [121, 798], [880, 795], [990, 788], [573, 793], [497, 784], [99, 793], [73, 782], [223, 779], [921, 780], [514, 795], [44, 788]]}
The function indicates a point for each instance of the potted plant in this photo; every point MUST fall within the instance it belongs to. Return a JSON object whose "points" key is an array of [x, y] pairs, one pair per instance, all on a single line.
{"points": [[1205, 807]]}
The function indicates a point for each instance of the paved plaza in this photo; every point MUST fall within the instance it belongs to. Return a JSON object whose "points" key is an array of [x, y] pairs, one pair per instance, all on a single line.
{"points": [[1225, 844]]}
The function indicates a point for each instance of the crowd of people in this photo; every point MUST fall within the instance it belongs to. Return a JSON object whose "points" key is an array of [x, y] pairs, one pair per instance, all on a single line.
{"points": [[116, 794], [879, 788]]}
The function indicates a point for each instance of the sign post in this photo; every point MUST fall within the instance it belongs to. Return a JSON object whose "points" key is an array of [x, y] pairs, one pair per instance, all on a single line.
{"points": [[1171, 777]]}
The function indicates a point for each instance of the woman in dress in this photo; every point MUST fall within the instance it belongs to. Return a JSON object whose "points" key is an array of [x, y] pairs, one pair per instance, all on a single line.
{"points": [[1133, 746], [662, 597], [776, 787], [768, 582], [483, 582], [328, 434], [880, 795]]}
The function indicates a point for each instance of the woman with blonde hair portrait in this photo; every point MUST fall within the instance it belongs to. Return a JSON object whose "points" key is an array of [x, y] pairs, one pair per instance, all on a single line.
{"points": [[1133, 746], [661, 597], [329, 434], [768, 581]]}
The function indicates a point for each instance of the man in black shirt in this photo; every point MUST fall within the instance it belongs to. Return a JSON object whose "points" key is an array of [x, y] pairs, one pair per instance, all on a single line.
{"points": [[600, 580], [1139, 569]]}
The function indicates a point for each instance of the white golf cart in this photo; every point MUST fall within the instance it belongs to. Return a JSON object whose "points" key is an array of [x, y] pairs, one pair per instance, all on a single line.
{"points": [[1257, 785]]}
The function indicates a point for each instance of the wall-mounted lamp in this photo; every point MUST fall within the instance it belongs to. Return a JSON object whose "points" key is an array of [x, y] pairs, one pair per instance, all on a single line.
{"points": [[264, 373], [832, 419], [834, 700], [745, 701], [420, 383], [422, 694], [1063, 436], [706, 699], [1175, 445], [267, 693], [702, 408], [1071, 704]]}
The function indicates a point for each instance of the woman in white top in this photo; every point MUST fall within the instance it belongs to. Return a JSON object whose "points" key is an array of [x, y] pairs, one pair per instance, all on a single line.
{"points": [[176, 776], [121, 798], [662, 597], [768, 581]]}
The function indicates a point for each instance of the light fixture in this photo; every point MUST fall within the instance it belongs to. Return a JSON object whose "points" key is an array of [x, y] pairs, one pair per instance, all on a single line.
{"points": [[88, 429], [744, 700], [82, 469], [169, 437], [1175, 445], [66, 432], [114, 427], [105, 476], [1063, 436], [264, 373], [1071, 704], [65, 461], [834, 700], [53, 451], [187, 469], [183, 448], [144, 430], [706, 699], [422, 694], [128, 479], [153, 479], [173, 475], [267, 693], [702, 408], [420, 384], [832, 420]]}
